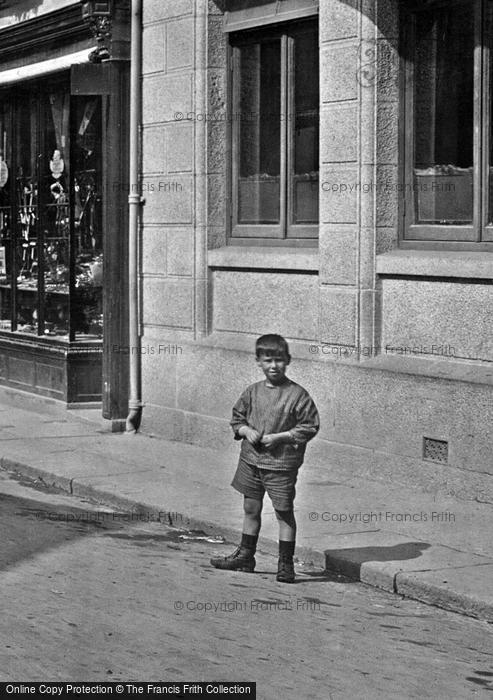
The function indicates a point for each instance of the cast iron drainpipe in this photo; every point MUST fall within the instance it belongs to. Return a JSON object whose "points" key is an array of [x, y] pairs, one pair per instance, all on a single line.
{"points": [[135, 202]]}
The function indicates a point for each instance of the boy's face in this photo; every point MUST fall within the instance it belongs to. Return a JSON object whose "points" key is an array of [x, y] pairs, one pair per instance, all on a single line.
{"points": [[273, 366]]}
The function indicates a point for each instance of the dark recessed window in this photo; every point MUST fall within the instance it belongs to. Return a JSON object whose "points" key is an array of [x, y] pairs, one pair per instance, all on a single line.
{"points": [[447, 121], [276, 132]]}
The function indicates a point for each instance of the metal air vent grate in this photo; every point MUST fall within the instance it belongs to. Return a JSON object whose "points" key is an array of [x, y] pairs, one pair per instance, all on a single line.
{"points": [[435, 450]]}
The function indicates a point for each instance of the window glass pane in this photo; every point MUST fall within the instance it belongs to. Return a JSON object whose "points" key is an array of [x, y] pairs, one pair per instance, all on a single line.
{"points": [[26, 192], [304, 125], [87, 302], [5, 217], [259, 181], [55, 211], [443, 115], [50, 186]]}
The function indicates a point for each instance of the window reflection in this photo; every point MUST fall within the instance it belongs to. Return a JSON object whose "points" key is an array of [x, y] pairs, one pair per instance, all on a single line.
{"points": [[51, 213], [259, 184], [306, 129], [88, 253], [443, 115]]}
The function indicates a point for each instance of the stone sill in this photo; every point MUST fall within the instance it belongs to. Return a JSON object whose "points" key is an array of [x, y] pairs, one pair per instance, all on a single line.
{"points": [[474, 372], [264, 258], [436, 263]]}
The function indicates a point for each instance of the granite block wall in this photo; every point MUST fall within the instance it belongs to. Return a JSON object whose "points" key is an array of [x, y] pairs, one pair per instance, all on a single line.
{"points": [[199, 322]]}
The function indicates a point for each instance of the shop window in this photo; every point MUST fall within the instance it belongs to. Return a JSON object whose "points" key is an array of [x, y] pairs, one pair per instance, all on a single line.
{"points": [[50, 213], [448, 122], [275, 132]]}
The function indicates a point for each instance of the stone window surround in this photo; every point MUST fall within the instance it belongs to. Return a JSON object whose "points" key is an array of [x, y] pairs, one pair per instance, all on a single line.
{"points": [[464, 264], [285, 248], [264, 258]]}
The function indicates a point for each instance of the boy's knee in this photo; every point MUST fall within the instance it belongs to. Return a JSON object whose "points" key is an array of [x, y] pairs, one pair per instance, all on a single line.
{"points": [[252, 507], [287, 516]]}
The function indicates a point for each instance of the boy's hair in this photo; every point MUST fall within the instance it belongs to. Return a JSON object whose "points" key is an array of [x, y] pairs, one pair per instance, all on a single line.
{"points": [[272, 344]]}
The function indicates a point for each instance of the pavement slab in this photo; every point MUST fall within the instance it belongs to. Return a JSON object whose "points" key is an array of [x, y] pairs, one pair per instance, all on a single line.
{"points": [[377, 558], [466, 589]]}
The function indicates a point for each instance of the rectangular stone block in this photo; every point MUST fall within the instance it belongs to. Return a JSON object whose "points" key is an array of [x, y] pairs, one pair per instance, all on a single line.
{"points": [[165, 422], [338, 315], [338, 20], [168, 302], [463, 588], [153, 48], [153, 250], [340, 189], [339, 130], [338, 254], [398, 411], [180, 251], [166, 97], [179, 44], [212, 433], [154, 149], [339, 72], [168, 200], [470, 430], [257, 303], [160, 354], [154, 10], [227, 372], [179, 147], [441, 319]]}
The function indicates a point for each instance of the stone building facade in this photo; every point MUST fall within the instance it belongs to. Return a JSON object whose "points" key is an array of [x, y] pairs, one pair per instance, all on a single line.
{"points": [[389, 319]]}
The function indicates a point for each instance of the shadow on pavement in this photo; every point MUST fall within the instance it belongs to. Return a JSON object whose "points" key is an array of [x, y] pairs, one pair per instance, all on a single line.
{"points": [[30, 527], [349, 561]]}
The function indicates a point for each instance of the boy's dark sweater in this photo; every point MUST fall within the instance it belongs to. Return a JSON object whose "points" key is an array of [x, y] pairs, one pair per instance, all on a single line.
{"points": [[276, 409]]}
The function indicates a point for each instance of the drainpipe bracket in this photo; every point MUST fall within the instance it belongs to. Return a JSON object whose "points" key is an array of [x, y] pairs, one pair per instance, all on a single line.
{"points": [[136, 199]]}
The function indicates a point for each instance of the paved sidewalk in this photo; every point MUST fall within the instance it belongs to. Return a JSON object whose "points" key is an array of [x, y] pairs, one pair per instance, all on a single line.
{"points": [[431, 548]]}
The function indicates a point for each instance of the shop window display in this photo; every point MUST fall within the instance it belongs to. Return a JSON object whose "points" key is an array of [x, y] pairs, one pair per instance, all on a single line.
{"points": [[50, 213]]}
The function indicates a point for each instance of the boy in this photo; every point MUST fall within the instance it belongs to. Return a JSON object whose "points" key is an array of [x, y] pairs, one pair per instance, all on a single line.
{"points": [[274, 418]]}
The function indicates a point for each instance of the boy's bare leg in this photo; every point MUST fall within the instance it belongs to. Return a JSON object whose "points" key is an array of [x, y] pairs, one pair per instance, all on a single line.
{"points": [[287, 525], [243, 558], [252, 519]]}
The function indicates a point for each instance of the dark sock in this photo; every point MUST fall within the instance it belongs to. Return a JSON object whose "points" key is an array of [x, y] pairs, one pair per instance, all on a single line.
{"points": [[249, 541], [286, 549]]}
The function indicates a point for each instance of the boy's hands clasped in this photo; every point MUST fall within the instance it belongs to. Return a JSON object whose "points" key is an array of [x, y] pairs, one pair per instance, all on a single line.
{"points": [[253, 436], [269, 441], [272, 440]]}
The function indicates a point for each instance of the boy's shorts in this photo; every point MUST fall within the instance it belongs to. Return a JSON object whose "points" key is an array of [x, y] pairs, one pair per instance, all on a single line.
{"points": [[253, 483]]}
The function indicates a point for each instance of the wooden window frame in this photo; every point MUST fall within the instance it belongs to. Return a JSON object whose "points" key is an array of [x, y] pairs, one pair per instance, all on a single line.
{"points": [[477, 235], [283, 233]]}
